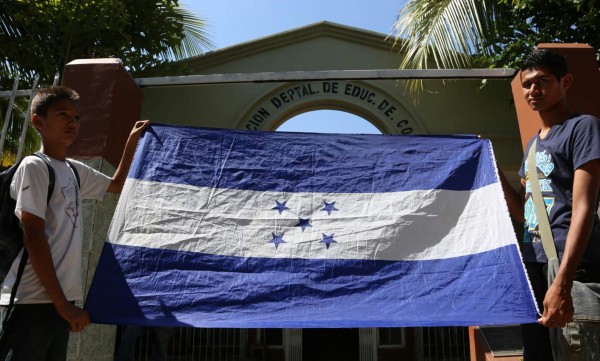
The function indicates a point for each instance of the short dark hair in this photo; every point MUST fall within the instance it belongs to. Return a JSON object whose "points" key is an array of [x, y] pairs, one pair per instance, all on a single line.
{"points": [[46, 97], [550, 60]]}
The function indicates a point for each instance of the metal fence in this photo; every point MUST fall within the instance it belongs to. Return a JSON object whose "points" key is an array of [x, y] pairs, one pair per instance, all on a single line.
{"points": [[189, 344], [8, 120], [445, 344]]}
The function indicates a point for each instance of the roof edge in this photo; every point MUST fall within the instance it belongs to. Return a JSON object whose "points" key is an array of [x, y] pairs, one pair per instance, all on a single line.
{"points": [[304, 33]]}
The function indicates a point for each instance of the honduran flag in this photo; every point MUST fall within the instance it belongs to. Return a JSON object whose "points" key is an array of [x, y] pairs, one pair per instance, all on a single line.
{"points": [[245, 229]]}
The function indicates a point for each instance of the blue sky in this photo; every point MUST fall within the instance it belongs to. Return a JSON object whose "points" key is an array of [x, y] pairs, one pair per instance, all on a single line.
{"points": [[236, 21]]}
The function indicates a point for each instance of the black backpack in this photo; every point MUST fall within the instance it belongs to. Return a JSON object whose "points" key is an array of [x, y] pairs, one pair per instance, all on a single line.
{"points": [[11, 234]]}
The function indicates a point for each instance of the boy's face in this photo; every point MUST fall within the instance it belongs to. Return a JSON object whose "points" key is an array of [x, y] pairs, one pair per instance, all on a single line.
{"points": [[542, 90], [60, 125]]}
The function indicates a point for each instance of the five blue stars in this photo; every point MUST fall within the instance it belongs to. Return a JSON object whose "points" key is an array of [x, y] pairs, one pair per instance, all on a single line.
{"points": [[303, 223]]}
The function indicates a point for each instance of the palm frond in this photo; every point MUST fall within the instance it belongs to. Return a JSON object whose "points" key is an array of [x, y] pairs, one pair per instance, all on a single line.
{"points": [[196, 38], [442, 34]]}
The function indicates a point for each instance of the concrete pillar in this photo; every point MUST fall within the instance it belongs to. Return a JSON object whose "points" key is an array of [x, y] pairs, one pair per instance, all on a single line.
{"points": [[582, 97], [111, 103]]}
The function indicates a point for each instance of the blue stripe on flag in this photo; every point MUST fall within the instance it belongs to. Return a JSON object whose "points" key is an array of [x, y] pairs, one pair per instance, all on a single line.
{"points": [[302, 162], [175, 288]]}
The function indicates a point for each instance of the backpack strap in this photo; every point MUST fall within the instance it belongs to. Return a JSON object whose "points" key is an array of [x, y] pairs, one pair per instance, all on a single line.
{"points": [[25, 255], [51, 177], [74, 172], [540, 206]]}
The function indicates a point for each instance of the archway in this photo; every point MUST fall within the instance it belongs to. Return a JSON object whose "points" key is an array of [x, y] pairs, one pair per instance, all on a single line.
{"points": [[362, 99]]}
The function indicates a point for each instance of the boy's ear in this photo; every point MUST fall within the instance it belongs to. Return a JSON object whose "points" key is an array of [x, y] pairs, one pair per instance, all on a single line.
{"points": [[567, 80], [36, 120]]}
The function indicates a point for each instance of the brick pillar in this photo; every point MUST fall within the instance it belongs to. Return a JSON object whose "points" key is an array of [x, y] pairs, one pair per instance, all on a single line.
{"points": [[582, 97], [111, 103]]}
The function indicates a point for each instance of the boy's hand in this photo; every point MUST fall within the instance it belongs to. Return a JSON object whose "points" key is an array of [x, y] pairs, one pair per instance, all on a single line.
{"points": [[118, 179], [138, 128], [77, 318], [558, 306]]}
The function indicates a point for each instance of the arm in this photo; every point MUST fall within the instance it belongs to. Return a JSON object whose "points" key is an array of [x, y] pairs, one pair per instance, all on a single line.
{"points": [[118, 179], [558, 304], [515, 200], [41, 261]]}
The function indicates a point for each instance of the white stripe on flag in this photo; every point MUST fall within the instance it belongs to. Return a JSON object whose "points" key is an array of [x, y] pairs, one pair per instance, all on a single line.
{"points": [[410, 225]]}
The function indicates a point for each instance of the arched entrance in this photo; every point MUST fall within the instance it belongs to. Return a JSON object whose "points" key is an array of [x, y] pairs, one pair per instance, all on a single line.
{"points": [[359, 98]]}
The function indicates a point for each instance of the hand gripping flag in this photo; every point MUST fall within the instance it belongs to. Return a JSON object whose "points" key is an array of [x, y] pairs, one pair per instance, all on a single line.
{"points": [[228, 228]]}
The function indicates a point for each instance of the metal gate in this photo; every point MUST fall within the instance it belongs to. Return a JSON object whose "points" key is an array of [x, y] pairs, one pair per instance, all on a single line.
{"points": [[190, 344], [445, 344]]}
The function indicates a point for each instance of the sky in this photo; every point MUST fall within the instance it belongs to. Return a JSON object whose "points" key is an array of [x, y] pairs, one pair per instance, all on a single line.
{"points": [[233, 22]]}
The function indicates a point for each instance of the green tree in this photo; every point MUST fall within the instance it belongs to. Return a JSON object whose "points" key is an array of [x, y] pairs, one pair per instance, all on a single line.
{"points": [[488, 33], [41, 36]]}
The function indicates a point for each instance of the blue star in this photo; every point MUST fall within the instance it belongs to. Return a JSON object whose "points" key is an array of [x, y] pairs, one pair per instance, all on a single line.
{"points": [[303, 223], [329, 207], [277, 240], [280, 206], [328, 240]]}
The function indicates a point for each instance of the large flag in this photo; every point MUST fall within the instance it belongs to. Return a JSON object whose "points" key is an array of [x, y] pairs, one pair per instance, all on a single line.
{"points": [[228, 228]]}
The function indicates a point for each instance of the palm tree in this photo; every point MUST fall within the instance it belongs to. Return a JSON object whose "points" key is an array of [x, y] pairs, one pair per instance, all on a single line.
{"points": [[445, 34], [494, 33]]}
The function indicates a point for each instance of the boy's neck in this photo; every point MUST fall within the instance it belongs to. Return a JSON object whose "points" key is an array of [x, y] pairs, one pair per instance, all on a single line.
{"points": [[552, 117], [57, 153]]}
